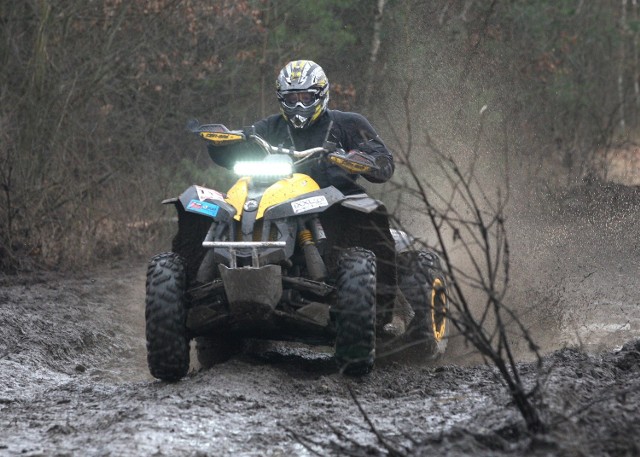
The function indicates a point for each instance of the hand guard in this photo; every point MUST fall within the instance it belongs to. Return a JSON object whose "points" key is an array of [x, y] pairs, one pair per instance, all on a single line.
{"points": [[217, 134], [355, 162]]}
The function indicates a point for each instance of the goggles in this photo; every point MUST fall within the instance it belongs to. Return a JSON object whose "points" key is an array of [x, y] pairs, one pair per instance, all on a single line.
{"points": [[306, 98]]}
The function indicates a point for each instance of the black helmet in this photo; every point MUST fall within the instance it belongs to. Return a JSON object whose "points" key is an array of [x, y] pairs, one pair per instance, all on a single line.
{"points": [[303, 92]]}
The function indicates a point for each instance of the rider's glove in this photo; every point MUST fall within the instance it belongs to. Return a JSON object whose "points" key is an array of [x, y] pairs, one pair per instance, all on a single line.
{"points": [[354, 162]]}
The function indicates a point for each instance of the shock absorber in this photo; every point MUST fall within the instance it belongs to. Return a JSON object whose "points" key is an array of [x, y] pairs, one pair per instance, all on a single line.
{"points": [[319, 237], [315, 265]]}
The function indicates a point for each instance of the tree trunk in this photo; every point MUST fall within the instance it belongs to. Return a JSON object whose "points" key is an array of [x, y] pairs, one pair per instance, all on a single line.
{"points": [[375, 47], [623, 21], [636, 72]]}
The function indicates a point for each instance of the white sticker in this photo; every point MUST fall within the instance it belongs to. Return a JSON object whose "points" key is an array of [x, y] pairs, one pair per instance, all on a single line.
{"points": [[208, 194], [308, 204]]}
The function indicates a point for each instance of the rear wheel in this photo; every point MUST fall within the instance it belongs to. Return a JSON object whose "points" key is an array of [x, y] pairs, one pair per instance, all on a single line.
{"points": [[355, 311], [423, 284], [166, 314]]}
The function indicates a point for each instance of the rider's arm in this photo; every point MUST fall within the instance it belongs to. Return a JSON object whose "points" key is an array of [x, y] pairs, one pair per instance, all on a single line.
{"points": [[227, 155], [383, 159], [361, 136]]}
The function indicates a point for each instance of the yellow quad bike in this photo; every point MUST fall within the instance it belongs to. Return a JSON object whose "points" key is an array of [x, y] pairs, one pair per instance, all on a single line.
{"points": [[263, 274]]}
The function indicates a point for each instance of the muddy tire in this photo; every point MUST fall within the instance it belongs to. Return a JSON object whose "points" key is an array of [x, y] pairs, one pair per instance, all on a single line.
{"points": [[355, 311], [214, 350], [421, 281], [166, 315]]}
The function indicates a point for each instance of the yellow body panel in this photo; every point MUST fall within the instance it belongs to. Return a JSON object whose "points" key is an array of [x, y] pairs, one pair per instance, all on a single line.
{"points": [[285, 189], [237, 196]]}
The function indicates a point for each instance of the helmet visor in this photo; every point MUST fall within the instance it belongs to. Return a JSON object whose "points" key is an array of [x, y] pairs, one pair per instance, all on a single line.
{"points": [[306, 98]]}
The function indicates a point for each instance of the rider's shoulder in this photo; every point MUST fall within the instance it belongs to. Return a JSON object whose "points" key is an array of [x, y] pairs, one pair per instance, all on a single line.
{"points": [[271, 120], [347, 116], [269, 124], [350, 120]]}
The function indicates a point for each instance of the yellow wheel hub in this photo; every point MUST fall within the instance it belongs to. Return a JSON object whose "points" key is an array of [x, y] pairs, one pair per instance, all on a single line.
{"points": [[438, 309]]}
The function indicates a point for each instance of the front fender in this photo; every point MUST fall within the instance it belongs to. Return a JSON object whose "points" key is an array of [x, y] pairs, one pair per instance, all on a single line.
{"points": [[363, 203], [204, 202], [309, 203]]}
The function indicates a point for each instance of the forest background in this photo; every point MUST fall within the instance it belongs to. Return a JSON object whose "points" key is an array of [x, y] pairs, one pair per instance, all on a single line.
{"points": [[95, 96]]}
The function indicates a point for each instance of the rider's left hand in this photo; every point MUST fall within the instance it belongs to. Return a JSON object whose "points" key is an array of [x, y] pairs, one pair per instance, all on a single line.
{"points": [[354, 161]]}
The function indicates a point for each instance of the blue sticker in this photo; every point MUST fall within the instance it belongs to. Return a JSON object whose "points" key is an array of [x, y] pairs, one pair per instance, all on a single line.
{"points": [[197, 206]]}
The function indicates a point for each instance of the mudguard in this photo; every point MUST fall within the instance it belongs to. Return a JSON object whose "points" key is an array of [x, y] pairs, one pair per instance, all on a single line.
{"points": [[321, 200], [205, 202], [309, 203], [362, 203]]}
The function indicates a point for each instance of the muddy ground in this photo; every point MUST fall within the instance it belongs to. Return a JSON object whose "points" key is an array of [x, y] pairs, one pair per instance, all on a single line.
{"points": [[73, 376]]}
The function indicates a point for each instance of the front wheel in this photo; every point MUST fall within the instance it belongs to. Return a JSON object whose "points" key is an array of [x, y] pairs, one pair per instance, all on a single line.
{"points": [[423, 284], [166, 315], [355, 311]]}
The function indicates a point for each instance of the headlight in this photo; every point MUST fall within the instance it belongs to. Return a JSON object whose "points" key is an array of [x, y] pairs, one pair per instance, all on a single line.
{"points": [[264, 168]]}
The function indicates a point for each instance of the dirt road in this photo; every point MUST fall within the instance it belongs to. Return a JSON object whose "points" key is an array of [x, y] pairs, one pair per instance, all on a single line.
{"points": [[73, 376]]}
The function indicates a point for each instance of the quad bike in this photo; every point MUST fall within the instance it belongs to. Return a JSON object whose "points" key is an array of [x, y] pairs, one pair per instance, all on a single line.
{"points": [[263, 274]]}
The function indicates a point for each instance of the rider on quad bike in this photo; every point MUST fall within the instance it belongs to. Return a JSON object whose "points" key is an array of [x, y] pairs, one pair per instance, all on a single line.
{"points": [[305, 122], [295, 250]]}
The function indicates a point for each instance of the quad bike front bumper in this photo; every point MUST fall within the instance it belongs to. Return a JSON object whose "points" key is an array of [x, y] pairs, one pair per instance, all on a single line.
{"points": [[248, 306], [252, 292]]}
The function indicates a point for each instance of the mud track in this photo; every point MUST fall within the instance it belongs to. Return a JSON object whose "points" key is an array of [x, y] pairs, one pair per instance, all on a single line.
{"points": [[73, 376]]}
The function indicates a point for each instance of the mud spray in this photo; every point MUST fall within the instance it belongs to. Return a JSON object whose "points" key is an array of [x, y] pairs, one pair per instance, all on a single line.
{"points": [[573, 265]]}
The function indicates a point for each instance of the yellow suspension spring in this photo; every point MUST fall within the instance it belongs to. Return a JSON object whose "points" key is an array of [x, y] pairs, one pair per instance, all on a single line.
{"points": [[305, 237]]}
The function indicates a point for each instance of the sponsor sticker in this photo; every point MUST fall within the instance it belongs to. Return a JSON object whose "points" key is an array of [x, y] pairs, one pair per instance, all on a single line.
{"points": [[307, 204], [206, 208], [208, 194]]}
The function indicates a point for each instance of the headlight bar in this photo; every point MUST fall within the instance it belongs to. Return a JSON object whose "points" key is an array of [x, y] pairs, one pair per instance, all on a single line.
{"points": [[263, 168]]}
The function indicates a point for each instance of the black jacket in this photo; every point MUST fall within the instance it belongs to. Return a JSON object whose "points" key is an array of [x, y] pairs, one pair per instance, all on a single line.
{"points": [[348, 130]]}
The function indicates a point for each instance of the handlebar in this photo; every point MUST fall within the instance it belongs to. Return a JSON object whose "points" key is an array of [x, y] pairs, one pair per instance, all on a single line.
{"points": [[218, 134], [269, 149]]}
